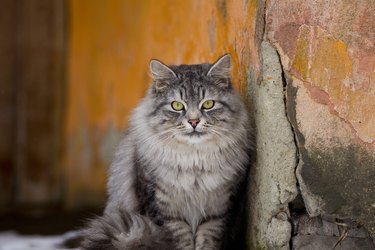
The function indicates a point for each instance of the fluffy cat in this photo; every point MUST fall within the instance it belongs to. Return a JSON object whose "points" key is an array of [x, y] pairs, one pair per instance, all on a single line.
{"points": [[176, 172]]}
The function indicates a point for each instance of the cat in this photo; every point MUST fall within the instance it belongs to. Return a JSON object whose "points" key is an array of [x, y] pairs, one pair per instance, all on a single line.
{"points": [[180, 165]]}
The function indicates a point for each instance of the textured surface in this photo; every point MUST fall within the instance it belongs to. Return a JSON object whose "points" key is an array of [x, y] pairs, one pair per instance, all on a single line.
{"points": [[313, 242], [319, 233], [327, 49], [272, 182]]}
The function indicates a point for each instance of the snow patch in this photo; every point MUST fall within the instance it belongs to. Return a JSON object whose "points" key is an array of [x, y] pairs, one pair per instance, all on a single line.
{"points": [[11, 240]]}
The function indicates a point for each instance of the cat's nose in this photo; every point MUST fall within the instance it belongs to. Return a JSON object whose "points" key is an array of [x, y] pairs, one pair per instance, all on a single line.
{"points": [[194, 122]]}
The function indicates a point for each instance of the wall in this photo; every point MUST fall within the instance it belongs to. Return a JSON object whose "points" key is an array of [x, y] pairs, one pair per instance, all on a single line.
{"points": [[327, 51], [7, 101], [32, 49]]}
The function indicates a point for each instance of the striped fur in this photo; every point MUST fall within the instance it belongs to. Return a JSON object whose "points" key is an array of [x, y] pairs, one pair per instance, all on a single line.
{"points": [[172, 179], [122, 230]]}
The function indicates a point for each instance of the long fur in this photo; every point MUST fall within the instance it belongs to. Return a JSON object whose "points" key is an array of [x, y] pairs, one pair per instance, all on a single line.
{"points": [[121, 230], [166, 181]]}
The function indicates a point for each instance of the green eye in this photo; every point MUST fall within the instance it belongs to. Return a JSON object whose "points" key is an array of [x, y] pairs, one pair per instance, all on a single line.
{"points": [[178, 106], [208, 104]]}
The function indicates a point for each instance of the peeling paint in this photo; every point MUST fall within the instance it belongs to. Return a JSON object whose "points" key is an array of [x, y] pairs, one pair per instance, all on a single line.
{"points": [[325, 66], [300, 64], [330, 51], [333, 170]]}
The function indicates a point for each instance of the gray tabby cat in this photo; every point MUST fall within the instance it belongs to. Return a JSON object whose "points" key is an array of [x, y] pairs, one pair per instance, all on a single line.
{"points": [[175, 174]]}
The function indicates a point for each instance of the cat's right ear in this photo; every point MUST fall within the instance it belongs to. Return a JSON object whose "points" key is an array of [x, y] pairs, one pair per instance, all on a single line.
{"points": [[161, 74]]}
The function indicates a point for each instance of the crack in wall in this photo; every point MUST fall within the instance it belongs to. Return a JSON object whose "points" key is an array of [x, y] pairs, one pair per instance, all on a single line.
{"points": [[285, 85], [298, 235], [302, 204], [273, 174]]}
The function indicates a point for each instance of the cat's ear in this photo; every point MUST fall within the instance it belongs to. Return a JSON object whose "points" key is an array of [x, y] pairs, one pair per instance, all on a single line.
{"points": [[161, 74], [221, 68]]}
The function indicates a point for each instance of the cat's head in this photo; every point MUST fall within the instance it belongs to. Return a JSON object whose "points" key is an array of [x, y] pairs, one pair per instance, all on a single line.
{"points": [[195, 103]]}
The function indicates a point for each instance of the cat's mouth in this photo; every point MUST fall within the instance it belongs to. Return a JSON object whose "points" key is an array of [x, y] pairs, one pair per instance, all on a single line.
{"points": [[196, 133]]}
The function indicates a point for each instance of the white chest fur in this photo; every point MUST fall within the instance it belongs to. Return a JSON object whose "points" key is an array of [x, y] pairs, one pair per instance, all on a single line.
{"points": [[198, 182]]}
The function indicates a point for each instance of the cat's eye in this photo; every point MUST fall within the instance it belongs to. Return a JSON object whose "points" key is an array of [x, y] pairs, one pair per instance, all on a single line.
{"points": [[178, 106], [209, 104]]}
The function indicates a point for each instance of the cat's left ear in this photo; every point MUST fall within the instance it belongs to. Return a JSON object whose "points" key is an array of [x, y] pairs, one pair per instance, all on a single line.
{"points": [[161, 74], [221, 68]]}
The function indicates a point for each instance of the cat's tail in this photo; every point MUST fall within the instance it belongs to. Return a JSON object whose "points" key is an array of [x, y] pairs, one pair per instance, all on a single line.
{"points": [[123, 231]]}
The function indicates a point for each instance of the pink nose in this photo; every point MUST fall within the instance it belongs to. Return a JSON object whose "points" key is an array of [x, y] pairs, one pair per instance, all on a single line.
{"points": [[194, 122]]}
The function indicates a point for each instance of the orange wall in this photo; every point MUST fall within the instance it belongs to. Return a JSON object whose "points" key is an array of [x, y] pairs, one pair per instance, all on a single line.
{"points": [[111, 43]]}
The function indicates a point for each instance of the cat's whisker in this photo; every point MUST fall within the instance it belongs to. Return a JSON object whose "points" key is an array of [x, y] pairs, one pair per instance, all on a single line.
{"points": [[219, 134]]}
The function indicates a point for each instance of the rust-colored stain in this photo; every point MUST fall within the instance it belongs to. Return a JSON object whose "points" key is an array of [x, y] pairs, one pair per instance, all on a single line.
{"points": [[325, 65], [111, 43], [332, 51], [300, 65]]}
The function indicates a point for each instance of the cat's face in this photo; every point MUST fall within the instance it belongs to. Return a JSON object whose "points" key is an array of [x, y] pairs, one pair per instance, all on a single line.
{"points": [[194, 103]]}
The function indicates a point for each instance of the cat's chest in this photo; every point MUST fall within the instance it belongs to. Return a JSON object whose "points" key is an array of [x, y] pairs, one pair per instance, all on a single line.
{"points": [[194, 195], [193, 180], [184, 158], [196, 185], [192, 172], [195, 189]]}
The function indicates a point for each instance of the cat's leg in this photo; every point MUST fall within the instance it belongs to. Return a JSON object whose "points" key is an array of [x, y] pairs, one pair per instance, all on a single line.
{"points": [[209, 235], [182, 234]]}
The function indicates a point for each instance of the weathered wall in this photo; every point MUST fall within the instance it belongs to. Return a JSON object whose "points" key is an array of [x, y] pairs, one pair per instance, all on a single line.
{"points": [[272, 179], [327, 50]]}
